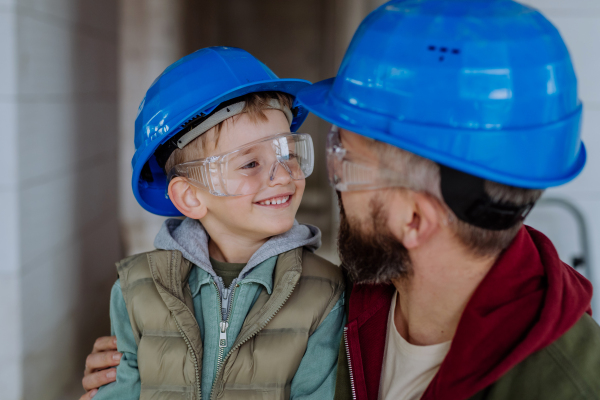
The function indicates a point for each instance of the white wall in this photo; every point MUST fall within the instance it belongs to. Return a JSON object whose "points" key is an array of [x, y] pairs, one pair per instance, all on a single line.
{"points": [[579, 23], [10, 310], [58, 192], [151, 38]]}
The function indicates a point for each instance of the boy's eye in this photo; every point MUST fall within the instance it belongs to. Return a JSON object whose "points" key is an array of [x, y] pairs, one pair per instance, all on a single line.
{"points": [[290, 156], [252, 164]]}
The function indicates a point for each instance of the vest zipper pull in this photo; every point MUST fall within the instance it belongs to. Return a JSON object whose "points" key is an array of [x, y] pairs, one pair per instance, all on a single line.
{"points": [[223, 325]]}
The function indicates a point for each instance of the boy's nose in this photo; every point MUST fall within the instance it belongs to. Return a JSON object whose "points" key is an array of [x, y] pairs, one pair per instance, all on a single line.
{"points": [[279, 175]]}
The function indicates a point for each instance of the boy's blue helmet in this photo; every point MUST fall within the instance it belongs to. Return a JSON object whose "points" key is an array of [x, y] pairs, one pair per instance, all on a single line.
{"points": [[189, 89], [485, 87]]}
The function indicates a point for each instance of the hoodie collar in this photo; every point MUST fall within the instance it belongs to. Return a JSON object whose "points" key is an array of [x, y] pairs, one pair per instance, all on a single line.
{"points": [[528, 300], [191, 239]]}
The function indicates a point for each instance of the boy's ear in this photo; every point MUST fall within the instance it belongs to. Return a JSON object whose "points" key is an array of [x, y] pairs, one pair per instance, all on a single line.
{"points": [[185, 198]]}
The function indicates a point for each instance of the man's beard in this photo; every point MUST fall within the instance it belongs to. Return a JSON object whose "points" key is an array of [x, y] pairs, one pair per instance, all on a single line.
{"points": [[373, 257]]}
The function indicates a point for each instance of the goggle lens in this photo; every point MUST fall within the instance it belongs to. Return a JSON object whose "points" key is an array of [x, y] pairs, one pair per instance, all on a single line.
{"points": [[250, 168]]}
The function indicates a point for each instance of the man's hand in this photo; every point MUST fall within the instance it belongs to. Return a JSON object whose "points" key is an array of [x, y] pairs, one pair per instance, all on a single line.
{"points": [[98, 371]]}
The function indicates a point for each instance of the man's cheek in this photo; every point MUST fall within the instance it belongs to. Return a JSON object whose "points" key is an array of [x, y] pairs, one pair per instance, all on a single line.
{"points": [[355, 204]]}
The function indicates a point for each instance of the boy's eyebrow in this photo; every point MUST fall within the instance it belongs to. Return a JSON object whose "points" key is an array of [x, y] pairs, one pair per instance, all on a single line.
{"points": [[243, 152], [252, 148]]}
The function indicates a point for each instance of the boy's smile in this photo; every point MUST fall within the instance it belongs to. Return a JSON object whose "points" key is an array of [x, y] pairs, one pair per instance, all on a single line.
{"points": [[276, 202], [254, 217]]}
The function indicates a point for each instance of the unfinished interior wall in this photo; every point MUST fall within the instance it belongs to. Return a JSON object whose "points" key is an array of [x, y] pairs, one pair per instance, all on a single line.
{"points": [[11, 369], [59, 195], [151, 38]]}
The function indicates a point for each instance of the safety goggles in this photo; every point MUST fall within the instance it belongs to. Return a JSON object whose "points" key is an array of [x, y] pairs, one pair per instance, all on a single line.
{"points": [[249, 168], [349, 172]]}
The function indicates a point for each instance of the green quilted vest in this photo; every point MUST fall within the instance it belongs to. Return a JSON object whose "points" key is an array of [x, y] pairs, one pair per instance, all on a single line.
{"points": [[266, 353]]}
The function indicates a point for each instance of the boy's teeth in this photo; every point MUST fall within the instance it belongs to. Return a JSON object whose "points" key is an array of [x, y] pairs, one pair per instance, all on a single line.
{"points": [[279, 200]]}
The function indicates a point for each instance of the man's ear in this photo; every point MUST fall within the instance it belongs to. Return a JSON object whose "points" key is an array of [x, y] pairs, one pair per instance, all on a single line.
{"points": [[419, 219], [185, 198]]}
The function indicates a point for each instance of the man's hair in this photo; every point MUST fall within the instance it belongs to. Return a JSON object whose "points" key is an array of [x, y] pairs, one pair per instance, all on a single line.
{"points": [[423, 175], [255, 105]]}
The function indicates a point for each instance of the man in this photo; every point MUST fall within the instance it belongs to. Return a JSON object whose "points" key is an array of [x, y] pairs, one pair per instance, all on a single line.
{"points": [[450, 117]]}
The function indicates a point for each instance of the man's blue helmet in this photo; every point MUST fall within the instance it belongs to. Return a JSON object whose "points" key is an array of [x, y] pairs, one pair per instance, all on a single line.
{"points": [[185, 92], [485, 87]]}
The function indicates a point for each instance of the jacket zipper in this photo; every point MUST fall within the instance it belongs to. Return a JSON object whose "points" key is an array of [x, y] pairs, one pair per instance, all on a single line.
{"points": [[237, 346], [194, 358], [223, 325], [349, 362]]}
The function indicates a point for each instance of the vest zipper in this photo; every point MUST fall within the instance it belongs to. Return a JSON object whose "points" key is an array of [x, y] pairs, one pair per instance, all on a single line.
{"points": [[248, 337], [349, 362], [194, 358]]}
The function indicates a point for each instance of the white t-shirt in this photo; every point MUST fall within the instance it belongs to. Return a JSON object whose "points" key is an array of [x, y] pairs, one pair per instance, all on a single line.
{"points": [[407, 369]]}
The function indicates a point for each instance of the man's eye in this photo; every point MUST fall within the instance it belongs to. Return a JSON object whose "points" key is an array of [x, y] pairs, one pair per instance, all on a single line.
{"points": [[252, 164]]}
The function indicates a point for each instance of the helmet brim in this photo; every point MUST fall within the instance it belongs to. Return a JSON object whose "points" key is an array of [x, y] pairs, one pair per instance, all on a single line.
{"points": [[530, 164]]}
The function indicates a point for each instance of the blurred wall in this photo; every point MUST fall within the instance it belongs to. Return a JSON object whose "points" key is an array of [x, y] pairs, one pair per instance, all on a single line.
{"points": [[59, 233], [151, 36]]}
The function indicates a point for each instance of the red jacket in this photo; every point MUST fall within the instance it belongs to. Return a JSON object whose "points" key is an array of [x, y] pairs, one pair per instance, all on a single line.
{"points": [[526, 301]]}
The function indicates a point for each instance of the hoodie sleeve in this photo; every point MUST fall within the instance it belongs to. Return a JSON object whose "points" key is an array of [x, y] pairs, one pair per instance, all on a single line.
{"points": [[127, 385], [315, 377]]}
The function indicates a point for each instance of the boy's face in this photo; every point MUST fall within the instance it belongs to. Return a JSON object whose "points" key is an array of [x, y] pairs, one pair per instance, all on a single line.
{"points": [[249, 215]]}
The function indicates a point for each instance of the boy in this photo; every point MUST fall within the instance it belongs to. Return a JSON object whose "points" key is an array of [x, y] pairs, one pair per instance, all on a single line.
{"points": [[234, 305]]}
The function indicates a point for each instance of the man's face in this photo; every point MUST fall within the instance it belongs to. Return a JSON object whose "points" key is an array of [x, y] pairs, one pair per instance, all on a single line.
{"points": [[250, 215], [368, 249]]}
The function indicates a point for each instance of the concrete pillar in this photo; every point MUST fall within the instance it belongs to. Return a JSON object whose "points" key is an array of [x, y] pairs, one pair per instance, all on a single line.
{"points": [[11, 369], [152, 36], [58, 192]]}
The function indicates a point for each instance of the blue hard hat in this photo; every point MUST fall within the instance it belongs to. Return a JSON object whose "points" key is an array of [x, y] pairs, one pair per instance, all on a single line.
{"points": [[485, 87], [189, 89]]}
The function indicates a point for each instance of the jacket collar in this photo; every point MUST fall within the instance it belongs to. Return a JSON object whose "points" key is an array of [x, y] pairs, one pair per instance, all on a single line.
{"points": [[261, 274]]}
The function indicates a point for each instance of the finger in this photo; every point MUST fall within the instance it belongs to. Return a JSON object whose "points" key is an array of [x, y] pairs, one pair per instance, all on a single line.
{"points": [[97, 361], [89, 395], [100, 378], [105, 343]]}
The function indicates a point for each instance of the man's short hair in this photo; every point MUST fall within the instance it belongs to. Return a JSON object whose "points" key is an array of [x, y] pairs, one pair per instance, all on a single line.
{"points": [[255, 105], [423, 175]]}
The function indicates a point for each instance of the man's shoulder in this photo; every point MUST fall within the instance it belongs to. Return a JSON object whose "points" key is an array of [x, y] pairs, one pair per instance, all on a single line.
{"points": [[577, 352], [567, 369]]}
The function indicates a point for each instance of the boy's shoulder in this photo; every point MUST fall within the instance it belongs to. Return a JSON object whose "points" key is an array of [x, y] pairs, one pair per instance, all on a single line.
{"points": [[153, 264], [316, 268], [315, 265]]}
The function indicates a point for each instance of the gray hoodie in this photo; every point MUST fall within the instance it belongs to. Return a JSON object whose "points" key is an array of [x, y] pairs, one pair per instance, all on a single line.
{"points": [[191, 239]]}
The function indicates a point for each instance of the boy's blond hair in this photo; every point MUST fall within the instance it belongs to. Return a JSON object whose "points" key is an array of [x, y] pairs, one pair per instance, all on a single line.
{"points": [[255, 105]]}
